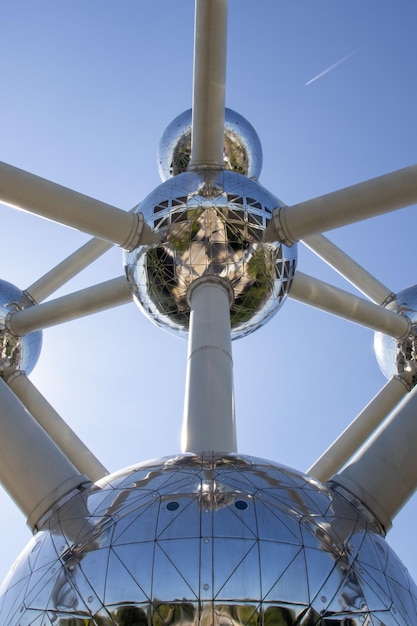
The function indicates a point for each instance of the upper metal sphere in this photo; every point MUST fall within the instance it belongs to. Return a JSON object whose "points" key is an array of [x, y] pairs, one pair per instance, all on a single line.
{"points": [[242, 147], [397, 356], [209, 541], [211, 223], [16, 353]]}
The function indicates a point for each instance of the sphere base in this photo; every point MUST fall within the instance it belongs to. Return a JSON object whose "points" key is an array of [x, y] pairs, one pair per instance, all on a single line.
{"points": [[208, 539]]}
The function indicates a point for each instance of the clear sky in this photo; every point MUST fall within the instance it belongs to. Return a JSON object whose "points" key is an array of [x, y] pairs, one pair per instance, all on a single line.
{"points": [[87, 89]]}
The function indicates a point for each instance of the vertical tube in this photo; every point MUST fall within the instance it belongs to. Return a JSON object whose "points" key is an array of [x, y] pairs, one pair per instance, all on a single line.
{"points": [[209, 418], [210, 43]]}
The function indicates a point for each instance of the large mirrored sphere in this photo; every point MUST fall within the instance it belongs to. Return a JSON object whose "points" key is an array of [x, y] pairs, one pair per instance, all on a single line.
{"points": [[242, 147], [211, 223], [394, 356], [210, 541], [16, 353]]}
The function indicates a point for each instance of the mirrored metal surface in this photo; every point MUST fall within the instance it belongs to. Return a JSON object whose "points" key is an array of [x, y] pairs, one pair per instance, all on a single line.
{"points": [[16, 353], [210, 540], [394, 356], [211, 223], [242, 147]]}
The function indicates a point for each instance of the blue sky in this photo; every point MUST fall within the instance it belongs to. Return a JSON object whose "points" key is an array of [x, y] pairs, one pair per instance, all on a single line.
{"points": [[87, 89]]}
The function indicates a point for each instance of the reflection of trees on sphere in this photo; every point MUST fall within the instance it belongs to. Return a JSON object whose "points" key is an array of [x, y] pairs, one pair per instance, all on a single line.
{"points": [[398, 356], [242, 150], [208, 540], [204, 538], [211, 224], [16, 353]]}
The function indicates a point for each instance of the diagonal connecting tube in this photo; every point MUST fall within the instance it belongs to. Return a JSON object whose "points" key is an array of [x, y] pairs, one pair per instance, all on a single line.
{"points": [[373, 197], [70, 208]]}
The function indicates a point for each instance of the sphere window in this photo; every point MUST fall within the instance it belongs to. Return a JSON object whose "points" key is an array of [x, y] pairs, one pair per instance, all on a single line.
{"points": [[173, 506], [241, 505]]}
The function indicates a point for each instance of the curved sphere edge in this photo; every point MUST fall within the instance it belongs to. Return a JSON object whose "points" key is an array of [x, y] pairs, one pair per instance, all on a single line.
{"points": [[17, 353], [242, 148], [208, 539], [211, 223]]}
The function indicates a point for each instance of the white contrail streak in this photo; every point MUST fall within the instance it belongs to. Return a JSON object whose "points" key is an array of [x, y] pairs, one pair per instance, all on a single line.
{"points": [[332, 67]]}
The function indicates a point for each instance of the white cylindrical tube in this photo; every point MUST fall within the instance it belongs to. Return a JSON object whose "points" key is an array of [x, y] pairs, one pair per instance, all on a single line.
{"points": [[383, 474], [33, 470], [368, 199], [323, 296], [361, 428], [349, 269], [70, 208], [67, 269], [210, 43], [111, 293], [74, 449], [209, 418]]}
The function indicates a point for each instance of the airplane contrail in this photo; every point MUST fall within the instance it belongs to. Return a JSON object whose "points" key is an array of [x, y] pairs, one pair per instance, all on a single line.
{"points": [[332, 67]]}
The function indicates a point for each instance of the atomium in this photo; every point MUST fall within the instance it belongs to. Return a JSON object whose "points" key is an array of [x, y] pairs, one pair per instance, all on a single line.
{"points": [[242, 151], [202, 538], [16, 353], [398, 356], [211, 539], [210, 223]]}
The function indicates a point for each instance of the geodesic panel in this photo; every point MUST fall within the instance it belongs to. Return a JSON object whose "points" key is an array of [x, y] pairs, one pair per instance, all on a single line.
{"points": [[208, 540]]}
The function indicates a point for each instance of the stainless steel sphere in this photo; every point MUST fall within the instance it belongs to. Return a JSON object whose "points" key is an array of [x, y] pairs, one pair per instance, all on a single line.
{"points": [[394, 356], [210, 540], [242, 147], [211, 223], [16, 353]]}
